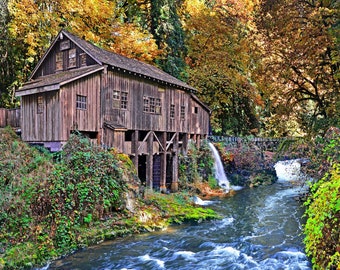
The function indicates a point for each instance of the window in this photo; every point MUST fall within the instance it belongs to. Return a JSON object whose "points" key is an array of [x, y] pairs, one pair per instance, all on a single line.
{"points": [[158, 106], [152, 105], [172, 111], [72, 59], [82, 59], [124, 100], [59, 63], [40, 104], [116, 99], [120, 99], [145, 104], [64, 45], [81, 102], [195, 110], [182, 112]]}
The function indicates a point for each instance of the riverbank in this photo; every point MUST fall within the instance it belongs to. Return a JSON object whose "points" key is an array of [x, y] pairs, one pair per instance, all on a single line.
{"points": [[155, 212], [54, 205]]}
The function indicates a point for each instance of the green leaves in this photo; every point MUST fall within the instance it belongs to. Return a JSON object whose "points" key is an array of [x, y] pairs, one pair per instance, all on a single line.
{"points": [[49, 202], [322, 229]]}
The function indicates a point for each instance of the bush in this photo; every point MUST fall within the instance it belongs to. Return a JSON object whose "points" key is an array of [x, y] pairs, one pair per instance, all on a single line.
{"points": [[322, 229], [49, 203], [197, 166]]}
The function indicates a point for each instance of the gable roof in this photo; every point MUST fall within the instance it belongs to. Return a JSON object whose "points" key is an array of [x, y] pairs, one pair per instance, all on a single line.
{"points": [[119, 62]]}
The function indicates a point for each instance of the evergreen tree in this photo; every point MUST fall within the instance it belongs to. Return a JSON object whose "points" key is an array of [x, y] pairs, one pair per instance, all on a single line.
{"points": [[7, 67], [167, 29]]}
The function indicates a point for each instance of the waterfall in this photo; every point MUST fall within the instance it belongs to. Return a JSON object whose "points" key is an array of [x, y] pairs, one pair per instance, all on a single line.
{"points": [[289, 170], [219, 170]]}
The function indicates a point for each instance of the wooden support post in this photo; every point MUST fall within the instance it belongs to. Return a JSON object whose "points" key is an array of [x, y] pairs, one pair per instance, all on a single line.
{"points": [[185, 140], [149, 162], [163, 163], [198, 141], [134, 148], [174, 182]]}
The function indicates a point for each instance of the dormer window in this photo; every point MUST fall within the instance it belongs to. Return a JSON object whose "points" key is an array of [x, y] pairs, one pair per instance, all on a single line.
{"points": [[72, 58]]}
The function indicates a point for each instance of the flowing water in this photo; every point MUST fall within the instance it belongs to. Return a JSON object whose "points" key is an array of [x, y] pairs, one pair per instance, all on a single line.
{"points": [[219, 170], [260, 229]]}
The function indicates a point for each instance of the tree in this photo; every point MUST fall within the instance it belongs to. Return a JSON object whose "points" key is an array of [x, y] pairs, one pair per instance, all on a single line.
{"points": [[34, 24], [221, 64], [7, 60], [300, 68], [167, 29]]}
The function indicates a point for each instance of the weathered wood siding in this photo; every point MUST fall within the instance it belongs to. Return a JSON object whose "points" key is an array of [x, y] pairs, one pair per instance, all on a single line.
{"points": [[44, 125], [10, 117], [3, 117], [199, 119], [134, 118], [80, 119], [49, 66], [177, 98]]}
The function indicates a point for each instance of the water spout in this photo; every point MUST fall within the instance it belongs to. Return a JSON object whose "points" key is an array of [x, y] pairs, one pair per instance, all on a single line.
{"points": [[219, 170]]}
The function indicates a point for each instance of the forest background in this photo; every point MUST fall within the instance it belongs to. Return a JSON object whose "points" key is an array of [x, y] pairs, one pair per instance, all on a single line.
{"points": [[264, 67]]}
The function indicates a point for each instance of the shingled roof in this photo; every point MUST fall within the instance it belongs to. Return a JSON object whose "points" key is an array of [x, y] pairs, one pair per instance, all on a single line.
{"points": [[116, 61], [54, 81]]}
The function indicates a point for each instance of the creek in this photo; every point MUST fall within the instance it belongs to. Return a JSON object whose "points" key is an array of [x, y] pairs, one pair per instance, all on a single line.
{"points": [[260, 229]]}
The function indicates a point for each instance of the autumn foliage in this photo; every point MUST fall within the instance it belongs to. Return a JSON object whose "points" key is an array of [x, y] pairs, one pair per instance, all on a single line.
{"points": [[264, 67]]}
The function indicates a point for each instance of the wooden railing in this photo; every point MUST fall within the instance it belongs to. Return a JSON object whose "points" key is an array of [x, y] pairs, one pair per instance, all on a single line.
{"points": [[10, 117], [265, 144]]}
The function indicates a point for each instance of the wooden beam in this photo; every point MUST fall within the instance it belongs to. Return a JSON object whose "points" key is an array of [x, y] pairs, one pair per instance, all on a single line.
{"points": [[145, 138], [163, 164], [134, 148], [174, 182], [170, 142], [149, 162]]}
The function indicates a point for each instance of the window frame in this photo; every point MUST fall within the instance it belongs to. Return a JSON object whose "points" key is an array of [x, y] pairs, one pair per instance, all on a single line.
{"points": [[172, 111], [182, 113], [59, 61], [120, 99], [81, 102], [72, 58], [152, 105]]}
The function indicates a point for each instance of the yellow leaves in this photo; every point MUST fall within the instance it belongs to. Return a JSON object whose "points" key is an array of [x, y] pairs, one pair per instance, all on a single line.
{"points": [[194, 7], [130, 41], [98, 21]]}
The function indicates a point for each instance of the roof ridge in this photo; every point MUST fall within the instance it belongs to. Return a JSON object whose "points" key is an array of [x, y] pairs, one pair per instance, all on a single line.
{"points": [[104, 56]]}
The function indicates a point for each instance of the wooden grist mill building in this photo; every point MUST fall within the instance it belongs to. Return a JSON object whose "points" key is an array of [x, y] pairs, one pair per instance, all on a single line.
{"points": [[116, 102]]}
